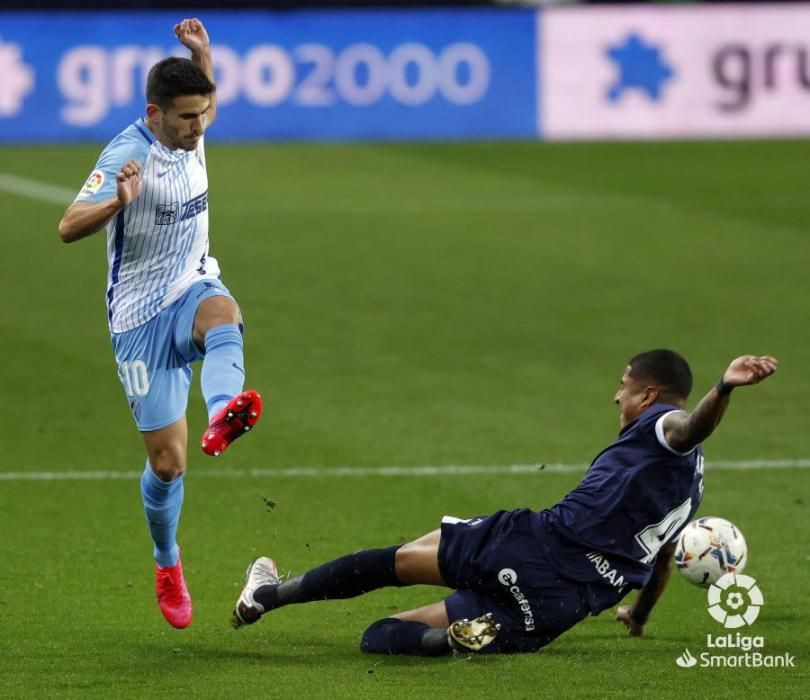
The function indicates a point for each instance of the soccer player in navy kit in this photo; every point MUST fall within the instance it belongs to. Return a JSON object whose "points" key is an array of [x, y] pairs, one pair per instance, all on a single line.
{"points": [[523, 577], [166, 304]]}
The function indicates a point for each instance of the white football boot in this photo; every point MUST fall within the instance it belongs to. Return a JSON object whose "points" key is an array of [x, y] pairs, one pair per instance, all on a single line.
{"points": [[261, 572]]}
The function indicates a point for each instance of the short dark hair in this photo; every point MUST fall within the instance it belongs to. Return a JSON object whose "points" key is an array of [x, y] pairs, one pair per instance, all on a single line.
{"points": [[175, 77], [666, 369]]}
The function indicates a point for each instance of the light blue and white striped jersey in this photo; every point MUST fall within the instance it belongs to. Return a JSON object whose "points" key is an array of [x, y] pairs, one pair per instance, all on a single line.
{"points": [[157, 247]]}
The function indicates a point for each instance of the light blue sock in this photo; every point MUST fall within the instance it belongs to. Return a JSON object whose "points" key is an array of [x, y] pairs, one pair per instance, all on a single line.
{"points": [[223, 370], [162, 501]]}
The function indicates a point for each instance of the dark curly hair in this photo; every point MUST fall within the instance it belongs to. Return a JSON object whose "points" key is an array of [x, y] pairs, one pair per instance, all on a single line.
{"points": [[175, 77]]}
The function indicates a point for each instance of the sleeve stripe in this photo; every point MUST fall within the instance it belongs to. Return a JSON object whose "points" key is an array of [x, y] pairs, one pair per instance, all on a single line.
{"points": [[144, 132], [659, 433]]}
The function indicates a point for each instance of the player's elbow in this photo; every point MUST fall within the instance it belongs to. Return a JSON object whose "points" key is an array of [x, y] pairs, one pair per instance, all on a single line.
{"points": [[67, 232], [72, 228]]}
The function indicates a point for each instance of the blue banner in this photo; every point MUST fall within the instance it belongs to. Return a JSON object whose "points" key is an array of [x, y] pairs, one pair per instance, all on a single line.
{"points": [[433, 74]]}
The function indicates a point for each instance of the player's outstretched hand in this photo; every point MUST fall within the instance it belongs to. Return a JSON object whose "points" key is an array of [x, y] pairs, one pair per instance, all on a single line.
{"points": [[129, 182], [191, 33], [750, 369], [623, 615]]}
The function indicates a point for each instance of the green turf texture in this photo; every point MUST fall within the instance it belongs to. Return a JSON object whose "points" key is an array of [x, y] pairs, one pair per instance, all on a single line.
{"points": [[405, 305]]}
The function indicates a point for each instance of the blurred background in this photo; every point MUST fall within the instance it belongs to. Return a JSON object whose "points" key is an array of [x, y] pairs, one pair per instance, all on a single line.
{"points": [[417, 70], [447, 226]]}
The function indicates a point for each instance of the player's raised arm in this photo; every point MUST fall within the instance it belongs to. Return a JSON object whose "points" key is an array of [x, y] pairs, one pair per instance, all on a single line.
{"points": [[192, 34], [82, 218], [684, 431]]}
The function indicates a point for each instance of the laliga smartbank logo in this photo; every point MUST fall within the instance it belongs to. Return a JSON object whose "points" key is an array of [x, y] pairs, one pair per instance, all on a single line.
{"points": [[735, 601]]}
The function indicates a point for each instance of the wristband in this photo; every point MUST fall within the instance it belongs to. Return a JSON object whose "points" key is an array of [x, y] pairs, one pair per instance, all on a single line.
{"points": [[722, 388]]}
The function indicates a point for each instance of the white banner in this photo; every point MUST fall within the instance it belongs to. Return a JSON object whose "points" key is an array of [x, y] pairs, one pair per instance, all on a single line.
{"points": [[673, 72]]}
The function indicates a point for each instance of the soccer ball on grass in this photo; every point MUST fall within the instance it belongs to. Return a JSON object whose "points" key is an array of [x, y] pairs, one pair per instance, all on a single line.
{"points": [[708, 548]]}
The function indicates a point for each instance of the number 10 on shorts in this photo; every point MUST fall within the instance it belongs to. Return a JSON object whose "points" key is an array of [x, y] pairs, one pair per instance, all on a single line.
{"points": [[135, 377]]}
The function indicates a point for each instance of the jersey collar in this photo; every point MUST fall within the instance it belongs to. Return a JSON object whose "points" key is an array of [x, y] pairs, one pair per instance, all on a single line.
{"points": [[146, 132]]}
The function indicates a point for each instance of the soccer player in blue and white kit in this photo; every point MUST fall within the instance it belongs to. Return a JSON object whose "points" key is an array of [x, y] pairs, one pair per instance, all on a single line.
{"points": [[524, 577], [166, 304]]}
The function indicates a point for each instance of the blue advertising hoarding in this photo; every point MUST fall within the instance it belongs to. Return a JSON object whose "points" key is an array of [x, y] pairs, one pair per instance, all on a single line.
{"points": [[433, 74]]}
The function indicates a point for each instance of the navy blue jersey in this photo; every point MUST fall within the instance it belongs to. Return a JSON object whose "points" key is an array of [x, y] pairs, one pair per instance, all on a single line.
{"points": [[637, 495]]}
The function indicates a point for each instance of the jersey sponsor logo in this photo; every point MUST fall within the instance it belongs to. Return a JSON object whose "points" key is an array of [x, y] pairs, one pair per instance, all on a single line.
{"points": [[606, 570], [94, 182], [166, 214], [194, 206], [508, 577]]}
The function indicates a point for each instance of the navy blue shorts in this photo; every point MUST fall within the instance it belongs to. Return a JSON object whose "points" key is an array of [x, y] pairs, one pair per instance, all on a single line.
{"points": [[496, 565]]}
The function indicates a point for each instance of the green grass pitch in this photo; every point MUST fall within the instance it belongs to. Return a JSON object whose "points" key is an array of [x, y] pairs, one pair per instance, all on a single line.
{"points": [[405, 305]]}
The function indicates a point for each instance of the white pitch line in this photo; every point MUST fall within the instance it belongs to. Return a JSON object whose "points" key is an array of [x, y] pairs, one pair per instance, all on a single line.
{"points": [[425, 471], [33, 189]]}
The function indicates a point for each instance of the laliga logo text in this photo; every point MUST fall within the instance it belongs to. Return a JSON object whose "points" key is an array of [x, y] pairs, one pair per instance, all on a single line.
{"points": [[735, 601]]}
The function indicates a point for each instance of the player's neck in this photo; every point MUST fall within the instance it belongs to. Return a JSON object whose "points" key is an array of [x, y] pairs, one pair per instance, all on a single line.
{"points": [[159, 134]]}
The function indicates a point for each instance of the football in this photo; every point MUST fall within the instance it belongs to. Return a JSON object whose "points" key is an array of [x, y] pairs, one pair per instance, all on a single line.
{"points": [[708, 548]]}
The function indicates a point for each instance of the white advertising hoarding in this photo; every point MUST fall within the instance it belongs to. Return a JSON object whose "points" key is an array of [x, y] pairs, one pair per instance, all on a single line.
{"points": [[673, 72]]}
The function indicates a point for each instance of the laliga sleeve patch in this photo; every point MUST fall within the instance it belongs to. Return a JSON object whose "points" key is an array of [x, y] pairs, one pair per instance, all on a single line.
{"points": [[94, 183]]}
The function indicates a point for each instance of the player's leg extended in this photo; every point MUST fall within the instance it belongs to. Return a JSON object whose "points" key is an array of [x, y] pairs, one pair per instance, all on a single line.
{"points": [[162, 487], [162, 494], [231, 412], [156, 381], [345, 577]]}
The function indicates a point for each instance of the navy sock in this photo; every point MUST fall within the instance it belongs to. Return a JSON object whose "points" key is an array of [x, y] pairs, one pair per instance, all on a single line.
{"points": [[345, 577], [394, 636], [223, 370]]}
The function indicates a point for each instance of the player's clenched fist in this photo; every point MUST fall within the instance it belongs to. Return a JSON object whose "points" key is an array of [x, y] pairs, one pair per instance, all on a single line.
{"points": [[191, 33], [129, 182]]}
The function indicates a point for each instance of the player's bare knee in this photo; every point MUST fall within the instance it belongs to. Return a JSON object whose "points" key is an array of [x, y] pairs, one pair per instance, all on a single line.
{"points": [[167, 462], [168, 471], [417, 563], [403, 563], [216, 311]]}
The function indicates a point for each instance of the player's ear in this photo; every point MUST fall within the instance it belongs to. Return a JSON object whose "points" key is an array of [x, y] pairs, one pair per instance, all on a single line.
{"points": [[153, 112], [651, 395]]}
